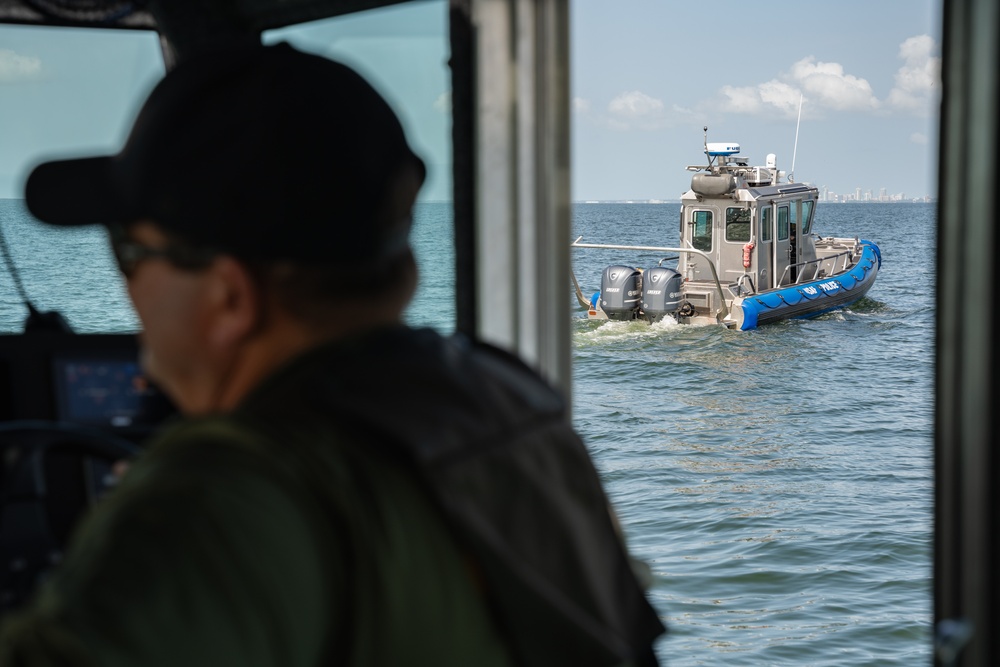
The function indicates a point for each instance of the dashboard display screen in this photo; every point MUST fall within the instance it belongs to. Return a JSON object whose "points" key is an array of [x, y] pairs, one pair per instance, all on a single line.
{"points": [[103, 392]]}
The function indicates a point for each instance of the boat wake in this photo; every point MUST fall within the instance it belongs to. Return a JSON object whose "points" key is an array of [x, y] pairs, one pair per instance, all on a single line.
{"points": [[589, 332]]}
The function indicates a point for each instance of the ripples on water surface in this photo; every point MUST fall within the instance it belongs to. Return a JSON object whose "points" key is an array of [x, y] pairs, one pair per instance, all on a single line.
{"points": [[778, 481]]}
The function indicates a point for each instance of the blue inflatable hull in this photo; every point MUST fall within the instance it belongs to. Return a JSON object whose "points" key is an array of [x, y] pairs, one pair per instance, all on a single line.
{"points": [[812, 298]]}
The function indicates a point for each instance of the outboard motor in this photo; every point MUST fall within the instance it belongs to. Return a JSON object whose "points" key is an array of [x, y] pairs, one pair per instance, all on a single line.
{"points": [[621, 289], [661, 292]]}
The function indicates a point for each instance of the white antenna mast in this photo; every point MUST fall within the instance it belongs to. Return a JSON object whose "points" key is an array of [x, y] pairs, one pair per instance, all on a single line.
{"points": [[710, 157], [795, 148]]}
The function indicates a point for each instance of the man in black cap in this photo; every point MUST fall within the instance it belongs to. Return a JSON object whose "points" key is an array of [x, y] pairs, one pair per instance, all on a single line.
{"points": [[342, 489]]}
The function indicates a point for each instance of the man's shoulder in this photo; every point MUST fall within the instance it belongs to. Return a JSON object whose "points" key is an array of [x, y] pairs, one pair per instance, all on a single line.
{"points": [[408, 373], [188, 436], [405, 379], [398, 355], [206, 451]]}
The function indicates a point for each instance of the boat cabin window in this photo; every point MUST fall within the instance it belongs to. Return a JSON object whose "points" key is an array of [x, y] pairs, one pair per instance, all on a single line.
{"points": [[701, 234], [70, 92], [403, 51], [738, 225], [782, 223], [89, 84], [766, 221], [807, 216]]}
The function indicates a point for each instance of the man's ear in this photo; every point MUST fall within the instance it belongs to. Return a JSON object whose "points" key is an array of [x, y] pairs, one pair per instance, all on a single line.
{"points": [[235, 302]]}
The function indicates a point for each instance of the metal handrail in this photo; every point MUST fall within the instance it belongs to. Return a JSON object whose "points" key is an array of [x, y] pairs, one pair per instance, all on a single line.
{"points": [[723, 311], [846, 255]]}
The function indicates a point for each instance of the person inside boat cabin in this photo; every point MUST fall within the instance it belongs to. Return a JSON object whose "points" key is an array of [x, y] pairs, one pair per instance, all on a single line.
{"points": [[340, 488]]}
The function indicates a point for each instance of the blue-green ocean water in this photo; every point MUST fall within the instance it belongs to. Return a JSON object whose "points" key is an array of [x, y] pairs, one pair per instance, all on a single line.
{"points": [[778, 481]]}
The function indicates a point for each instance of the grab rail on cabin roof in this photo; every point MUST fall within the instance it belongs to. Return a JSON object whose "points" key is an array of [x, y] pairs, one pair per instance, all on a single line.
{"points": [[720, 315]]}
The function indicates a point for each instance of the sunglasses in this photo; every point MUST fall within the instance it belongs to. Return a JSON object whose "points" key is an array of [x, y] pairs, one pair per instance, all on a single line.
{"points": [[130, 253]]}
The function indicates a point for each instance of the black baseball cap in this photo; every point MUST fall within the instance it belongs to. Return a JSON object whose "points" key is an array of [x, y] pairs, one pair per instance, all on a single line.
{"points": [[264, 152]]}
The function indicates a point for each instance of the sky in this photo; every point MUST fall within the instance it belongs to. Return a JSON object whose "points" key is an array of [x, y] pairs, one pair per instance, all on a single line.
{"points": [[649, 75], [646, 77]]}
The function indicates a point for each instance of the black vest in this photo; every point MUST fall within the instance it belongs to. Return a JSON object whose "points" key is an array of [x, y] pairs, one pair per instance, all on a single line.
{"points": [[490, 442]]}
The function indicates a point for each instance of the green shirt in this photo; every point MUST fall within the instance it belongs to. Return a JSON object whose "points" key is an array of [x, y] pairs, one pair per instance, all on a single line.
{"points": [[265, 537]]}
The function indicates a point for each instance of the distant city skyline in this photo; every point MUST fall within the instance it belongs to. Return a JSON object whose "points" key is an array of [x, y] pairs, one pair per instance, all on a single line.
{"points": [[860, 194], [890, 199]]}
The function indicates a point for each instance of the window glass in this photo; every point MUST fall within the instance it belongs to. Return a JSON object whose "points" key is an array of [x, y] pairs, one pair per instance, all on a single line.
{"points": [[66, 93], [76, 92], [782, 223], [738, 225], [766, 222], [403, 51], [807, 216], [701, 234]]}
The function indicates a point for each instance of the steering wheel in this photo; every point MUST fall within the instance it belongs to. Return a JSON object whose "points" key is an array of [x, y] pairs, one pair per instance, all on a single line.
{"points": [[50, 472]]}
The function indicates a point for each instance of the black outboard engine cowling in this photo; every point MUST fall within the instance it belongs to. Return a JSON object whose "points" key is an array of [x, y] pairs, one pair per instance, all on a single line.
{"points": [[661, 293], [621, 290]]}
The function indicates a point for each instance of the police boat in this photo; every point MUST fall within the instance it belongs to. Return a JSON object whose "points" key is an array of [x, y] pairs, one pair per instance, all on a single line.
{"points": [[748, 255]]}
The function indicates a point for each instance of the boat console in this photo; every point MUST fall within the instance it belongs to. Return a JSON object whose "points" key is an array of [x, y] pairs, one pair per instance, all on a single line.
{"points": [[71, 407], [93, 381]]}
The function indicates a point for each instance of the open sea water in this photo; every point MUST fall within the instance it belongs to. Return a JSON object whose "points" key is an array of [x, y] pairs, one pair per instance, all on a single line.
{"points": [[778, 482]]}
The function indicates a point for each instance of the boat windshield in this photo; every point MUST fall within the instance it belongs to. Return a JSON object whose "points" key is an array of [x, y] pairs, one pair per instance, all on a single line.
{"points": [[66, 93], [403, 51], [76, 92]]}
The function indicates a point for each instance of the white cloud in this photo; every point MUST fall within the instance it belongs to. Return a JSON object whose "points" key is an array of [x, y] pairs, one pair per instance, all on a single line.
{"points": [[682, 111], [825, 86], [635, 104], [636, 109], [766, 98], [918, 80], [918, 138], [822, 85], [828, 86], [745, 99], [15, 67], [581, 105], [443, 102], [780, 95]]}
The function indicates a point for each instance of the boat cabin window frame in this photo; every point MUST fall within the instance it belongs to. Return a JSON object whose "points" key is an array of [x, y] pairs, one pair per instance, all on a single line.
{"points": [[808, 210], [765, 223], [739, 224], [701, 219], [783, 222]]}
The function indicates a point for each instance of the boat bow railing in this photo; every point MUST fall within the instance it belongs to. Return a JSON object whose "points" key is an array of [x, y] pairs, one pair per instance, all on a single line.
{"points": [[723, 311], [801, 275]]}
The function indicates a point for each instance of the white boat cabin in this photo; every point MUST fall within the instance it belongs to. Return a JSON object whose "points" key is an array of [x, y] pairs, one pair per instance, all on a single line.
{"points": [[753, 228]]}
